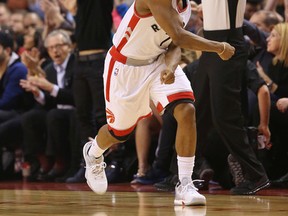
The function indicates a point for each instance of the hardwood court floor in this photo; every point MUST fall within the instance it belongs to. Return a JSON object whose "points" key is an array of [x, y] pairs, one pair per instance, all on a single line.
{"points": [[33, 199]]}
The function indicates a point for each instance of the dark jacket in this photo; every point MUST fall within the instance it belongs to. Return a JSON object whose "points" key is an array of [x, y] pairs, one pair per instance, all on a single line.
{"points": [[65, 95], [11, 93]]}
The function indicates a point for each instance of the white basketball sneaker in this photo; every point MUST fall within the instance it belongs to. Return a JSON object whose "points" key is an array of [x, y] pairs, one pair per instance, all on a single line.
{"points": [[187, 194], [95, 171]]}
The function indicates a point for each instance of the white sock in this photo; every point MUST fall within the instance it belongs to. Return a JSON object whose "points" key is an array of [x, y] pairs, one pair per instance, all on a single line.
{"points": [[185, 167], [95, 150]]}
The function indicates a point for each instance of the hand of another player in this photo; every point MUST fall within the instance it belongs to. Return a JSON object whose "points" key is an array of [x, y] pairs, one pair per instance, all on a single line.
{"points": [[228, 51], [167, 76]]}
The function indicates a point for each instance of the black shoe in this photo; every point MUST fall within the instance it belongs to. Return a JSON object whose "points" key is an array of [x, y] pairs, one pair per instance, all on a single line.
{"points": [[235, 170], [206, 175], [168, 184], [51, 175], [35, 167], [113, 172], [36, 177], [204, 172], [281, 182], [250, 188], [79, 176]]}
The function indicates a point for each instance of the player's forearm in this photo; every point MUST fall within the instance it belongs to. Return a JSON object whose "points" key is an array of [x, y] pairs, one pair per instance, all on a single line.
{"points": [[173, 56], [191, 41]]}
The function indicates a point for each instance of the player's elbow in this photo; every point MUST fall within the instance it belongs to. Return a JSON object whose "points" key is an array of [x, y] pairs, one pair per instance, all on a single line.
{"points": [[177, 41]]}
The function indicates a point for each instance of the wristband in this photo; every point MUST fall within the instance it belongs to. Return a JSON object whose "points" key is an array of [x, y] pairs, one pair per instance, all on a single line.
{"points": [[269, 85], [224, 47]]}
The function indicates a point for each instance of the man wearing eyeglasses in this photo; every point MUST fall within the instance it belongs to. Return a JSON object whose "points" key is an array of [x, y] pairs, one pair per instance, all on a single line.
{"points": [[54, 115]]}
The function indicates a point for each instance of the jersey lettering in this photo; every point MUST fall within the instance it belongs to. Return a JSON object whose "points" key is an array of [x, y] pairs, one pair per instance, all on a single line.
{"points": [[155, 27]]}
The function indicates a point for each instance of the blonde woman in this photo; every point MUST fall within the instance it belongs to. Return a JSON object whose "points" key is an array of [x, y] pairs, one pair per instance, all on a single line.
{"points": [[277, 74], [277, 80]]}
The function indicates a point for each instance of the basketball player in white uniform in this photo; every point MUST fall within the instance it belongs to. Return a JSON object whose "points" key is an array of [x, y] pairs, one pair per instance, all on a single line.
{"points": [[142, 65]]}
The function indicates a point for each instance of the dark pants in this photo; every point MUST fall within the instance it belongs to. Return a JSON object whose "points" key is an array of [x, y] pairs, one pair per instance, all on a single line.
{"points": [[217, 90], [10, 139], [166, 145], [52, 132], [277, 155], [6, 115], [11, 133], [89, 97]]}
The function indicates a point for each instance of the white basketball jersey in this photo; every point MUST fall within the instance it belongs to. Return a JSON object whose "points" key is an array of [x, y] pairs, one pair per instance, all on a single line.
{"points": [[142, 38]]}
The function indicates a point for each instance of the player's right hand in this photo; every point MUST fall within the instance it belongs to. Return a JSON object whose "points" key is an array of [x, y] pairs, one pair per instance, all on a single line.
{"points": [[227, 52], [167, 76]]}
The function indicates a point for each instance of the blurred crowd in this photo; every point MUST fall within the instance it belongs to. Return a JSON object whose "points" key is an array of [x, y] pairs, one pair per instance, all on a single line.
{"points": [[52, 96]]}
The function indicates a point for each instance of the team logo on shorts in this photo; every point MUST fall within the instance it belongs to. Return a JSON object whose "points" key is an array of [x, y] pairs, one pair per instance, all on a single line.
{"points": [[116, 71], [110, 116]]}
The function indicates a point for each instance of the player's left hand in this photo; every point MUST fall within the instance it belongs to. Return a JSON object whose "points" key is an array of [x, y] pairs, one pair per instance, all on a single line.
{"points": [[167, 76]]}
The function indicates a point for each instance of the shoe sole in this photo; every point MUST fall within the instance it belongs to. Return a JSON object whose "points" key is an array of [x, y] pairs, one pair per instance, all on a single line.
{"points": [[265, 185], [192, 203], [252, 192]]}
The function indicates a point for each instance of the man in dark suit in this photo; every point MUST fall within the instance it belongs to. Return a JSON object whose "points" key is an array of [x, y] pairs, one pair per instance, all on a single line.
{"points": [[49, 126]]}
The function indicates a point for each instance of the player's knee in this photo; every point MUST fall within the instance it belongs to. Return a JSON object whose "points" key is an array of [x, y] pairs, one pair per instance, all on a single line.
{"points": [[184, 110], [179, 104], [188, 109]]}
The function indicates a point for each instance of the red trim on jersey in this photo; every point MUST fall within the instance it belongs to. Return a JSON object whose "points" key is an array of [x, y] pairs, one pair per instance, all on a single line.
{"points": [[133, 22], [108, 82], [181, 10], [117, 55], [122, 43], [126, 132], [181, 95], [159, 107]]}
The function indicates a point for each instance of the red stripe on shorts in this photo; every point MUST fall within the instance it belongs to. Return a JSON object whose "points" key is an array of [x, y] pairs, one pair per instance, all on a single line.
{"points": [[126, 132], [108, 81], [181, 95]]}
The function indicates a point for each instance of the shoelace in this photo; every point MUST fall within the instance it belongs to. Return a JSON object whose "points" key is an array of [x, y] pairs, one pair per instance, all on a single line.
{"points": [[97, 169], [190, 185]]}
